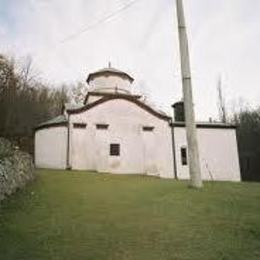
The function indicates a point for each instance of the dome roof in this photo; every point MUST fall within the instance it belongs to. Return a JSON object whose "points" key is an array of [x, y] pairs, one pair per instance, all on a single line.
{"points": [[111, 71]]}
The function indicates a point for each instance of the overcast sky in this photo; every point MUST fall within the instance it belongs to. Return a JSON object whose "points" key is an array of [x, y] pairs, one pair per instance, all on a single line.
{"points": [[141, 40]]}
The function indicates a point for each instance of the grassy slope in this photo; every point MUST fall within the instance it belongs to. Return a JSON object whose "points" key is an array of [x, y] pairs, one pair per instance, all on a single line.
{"points": [[74, 215]]}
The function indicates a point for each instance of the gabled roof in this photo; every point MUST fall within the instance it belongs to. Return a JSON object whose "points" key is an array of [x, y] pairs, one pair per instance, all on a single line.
{"points": [[57, 121], [110, 71], [78, 108], [129, 98]]}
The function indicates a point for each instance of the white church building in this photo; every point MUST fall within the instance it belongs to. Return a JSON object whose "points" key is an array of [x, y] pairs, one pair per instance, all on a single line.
{"points": [[116, 131]]}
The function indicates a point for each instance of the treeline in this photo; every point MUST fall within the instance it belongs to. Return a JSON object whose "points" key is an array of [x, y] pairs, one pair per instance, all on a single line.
{"points": [[248, 136], [25, 101]]}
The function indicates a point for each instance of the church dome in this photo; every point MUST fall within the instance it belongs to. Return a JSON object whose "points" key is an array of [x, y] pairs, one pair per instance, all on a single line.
{"points": [[110, 80]]}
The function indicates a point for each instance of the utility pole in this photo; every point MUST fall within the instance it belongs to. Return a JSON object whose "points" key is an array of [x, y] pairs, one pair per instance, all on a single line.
{"points": [[193, 151]]}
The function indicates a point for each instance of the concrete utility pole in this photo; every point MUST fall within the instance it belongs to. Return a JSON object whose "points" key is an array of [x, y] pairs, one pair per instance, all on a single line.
{"points": [[193, 151]]}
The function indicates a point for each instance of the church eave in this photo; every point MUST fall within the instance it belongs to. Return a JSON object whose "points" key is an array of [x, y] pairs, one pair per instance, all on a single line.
{"points": [[129, 98], [43, 126], [54, 122], [206, 125]]}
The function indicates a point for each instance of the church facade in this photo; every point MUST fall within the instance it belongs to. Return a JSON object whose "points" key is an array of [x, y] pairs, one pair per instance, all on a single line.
{"points": [[116, 131]]}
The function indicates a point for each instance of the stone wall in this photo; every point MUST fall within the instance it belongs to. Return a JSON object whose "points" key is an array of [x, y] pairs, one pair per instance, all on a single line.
{"points": [[16, 168]]}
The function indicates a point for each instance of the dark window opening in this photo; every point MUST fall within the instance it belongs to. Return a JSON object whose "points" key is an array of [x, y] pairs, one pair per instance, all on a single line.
{"points": [[148, 128], [102, 126], [79, 125], [115, 149], [184, 160]]}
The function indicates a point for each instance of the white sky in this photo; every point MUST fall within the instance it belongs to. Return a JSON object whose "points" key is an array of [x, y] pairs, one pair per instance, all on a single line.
{"points": [[142, 40]]}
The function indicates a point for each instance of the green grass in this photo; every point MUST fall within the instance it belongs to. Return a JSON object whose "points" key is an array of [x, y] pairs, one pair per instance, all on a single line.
{"points": [[79, 215]]}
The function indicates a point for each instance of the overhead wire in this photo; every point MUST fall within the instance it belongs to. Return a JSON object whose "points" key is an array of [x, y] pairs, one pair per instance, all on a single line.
{"points": [[105, 18], [99, 21]]}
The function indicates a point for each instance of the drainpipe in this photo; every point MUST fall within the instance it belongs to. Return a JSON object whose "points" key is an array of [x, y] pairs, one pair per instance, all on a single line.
{"points": [[68, 166]]}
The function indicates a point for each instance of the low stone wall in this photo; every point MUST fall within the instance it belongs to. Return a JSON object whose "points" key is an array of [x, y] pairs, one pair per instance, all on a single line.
{"points": [[16, 168]]}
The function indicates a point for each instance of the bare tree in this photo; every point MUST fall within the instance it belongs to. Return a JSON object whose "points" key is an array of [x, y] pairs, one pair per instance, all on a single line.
{"points": [[27, 70], [78, 93], [25, 101], [221, 102]]}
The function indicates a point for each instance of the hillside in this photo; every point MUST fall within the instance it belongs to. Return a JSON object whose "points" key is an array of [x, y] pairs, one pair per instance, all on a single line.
{"points": [[78, 215]]}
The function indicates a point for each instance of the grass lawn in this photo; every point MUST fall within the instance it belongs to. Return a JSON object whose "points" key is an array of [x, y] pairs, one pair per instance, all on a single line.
{"points": [[79, 215]]}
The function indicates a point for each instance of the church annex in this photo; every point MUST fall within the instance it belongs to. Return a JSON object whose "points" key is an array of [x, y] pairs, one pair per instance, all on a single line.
{"points": [[115, 131]]}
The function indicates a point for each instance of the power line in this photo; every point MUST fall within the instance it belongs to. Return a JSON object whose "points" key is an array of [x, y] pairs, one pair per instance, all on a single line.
{"points": [[100, 21], [91, 26]]}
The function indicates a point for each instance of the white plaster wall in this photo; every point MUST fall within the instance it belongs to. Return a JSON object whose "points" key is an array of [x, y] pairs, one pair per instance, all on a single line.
{"points": [[141, 152], [110, 83], [51, 147], [218, 154]]}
